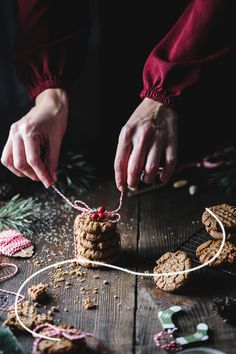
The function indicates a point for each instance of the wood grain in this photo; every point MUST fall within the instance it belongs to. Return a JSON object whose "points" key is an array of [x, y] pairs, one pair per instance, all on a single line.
{"points": [[125, 319], [167, 218]]}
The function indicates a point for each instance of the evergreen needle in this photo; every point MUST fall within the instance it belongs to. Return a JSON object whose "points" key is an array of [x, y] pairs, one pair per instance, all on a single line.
{"points": [[17, 213]]}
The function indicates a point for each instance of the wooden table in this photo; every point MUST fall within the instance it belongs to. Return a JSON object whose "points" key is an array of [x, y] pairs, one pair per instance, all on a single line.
{"points": [[126, 316]]}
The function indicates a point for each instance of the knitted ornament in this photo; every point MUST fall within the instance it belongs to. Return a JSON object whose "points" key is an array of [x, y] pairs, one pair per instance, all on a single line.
{"points": [[14, 244]]}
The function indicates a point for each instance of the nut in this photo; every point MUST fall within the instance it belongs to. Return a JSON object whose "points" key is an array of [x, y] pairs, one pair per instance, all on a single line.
{"points": [[180, 183], [192, 190]]}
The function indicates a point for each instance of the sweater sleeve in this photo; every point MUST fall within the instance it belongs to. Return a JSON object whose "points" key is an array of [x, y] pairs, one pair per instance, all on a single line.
{"points": [[202, 35], [51, 43]]}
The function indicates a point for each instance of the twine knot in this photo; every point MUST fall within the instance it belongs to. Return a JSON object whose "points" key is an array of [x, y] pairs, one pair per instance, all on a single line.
{"points": [[96, 214]]}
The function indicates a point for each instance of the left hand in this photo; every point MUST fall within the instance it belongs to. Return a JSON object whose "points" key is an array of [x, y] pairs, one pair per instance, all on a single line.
{"points": [[150, 132]]}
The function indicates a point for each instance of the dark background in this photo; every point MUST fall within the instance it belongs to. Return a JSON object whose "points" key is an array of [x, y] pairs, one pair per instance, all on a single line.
{"points": [[107, 91]]}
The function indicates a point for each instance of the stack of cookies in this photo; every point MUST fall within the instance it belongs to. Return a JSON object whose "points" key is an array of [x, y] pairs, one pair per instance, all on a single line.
{"points": [[96, 240], [227, 215]]}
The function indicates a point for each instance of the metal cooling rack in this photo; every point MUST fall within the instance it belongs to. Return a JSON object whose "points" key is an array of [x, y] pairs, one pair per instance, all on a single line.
{"points": [[190, 245]]}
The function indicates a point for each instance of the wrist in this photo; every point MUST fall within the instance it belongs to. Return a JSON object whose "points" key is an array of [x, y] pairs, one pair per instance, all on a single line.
{"points": [[54, 99]]}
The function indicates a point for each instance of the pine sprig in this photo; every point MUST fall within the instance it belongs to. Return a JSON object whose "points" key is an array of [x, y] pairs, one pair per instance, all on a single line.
{"points": [[225, 180], [74, 173], [18, 214]]}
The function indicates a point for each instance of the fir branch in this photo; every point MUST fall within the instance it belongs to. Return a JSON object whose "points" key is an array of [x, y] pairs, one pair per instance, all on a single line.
{"points": [[18, 214], [74, 173], [225, 180]]}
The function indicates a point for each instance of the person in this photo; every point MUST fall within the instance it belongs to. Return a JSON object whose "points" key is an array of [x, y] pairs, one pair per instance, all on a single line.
{"points": [[50, 47]]}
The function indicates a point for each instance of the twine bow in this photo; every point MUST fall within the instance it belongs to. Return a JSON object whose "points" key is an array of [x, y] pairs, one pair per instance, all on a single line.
{"points": [[71, 334], [79, 205]]}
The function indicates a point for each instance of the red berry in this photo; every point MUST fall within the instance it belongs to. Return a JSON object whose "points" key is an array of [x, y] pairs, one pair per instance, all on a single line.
{"points": [[101, 215], [101, 209], [94, 216]]}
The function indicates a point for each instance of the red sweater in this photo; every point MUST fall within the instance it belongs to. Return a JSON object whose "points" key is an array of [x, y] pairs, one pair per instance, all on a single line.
{"points": [[52, 36]]}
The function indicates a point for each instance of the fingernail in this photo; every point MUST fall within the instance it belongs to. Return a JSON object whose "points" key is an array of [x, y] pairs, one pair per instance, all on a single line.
{"points": [[132, 189], [121, 189]]}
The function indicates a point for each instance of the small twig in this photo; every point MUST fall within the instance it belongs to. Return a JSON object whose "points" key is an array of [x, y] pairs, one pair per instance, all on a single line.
{"points": [[146, 190]]}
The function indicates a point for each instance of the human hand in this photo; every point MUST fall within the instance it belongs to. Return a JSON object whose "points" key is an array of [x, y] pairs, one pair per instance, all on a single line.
{"points": [[43, 125], [150, 132]]}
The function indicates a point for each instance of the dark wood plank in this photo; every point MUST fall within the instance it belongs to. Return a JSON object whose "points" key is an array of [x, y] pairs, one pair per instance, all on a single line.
{"points": [[113, 320], [167, 218]]}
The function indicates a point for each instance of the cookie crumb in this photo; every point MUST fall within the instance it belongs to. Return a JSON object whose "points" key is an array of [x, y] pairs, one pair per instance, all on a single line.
{"points": [[38, 292], [89, 304]]}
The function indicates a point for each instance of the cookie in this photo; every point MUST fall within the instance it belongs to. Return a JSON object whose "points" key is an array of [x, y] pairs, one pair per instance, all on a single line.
{"points": [[227, 214], [95, 238], [28, 315], [172, 262], [209, 248], [65, 345], [217, 235], [109, 260], [83, 222], [94, 253], [104, 245]]}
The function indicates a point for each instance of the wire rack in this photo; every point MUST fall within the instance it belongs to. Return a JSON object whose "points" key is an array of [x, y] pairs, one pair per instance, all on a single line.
{"points": [[190, 245]]}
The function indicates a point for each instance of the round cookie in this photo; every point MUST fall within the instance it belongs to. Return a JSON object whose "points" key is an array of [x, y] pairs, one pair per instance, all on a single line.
{"points": [[104, 245], [64, 345], [96, 254], [109, 260], [83, 222], [227, 214], [217, 235], [209, 248], [95, 238], [172, 262]]}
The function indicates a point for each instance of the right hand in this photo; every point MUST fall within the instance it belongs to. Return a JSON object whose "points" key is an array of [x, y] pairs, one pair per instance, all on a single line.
{"points": [[45, 124], [150, 132]]}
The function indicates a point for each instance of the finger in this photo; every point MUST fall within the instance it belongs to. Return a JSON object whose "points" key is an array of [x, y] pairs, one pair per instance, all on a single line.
{"points": [[136, 161], [19, 158], [7, 159], [170, 163], [123, 151], [52, 158], [152, 163], [32, 149]]}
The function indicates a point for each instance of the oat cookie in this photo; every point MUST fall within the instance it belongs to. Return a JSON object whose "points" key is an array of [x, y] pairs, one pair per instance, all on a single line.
{"points": [[95, 238], [96, 254], [172, 262], [28, 315], [63, 346], [209, 248], [109, 260], [110, 243], [227, 214], [83, 222]]}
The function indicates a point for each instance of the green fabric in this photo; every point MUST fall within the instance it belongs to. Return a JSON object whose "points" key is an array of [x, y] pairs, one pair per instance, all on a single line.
{"points": [[8, 342]]}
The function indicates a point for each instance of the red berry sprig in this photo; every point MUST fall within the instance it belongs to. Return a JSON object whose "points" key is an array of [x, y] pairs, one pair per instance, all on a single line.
{"points": [[99, 214]]}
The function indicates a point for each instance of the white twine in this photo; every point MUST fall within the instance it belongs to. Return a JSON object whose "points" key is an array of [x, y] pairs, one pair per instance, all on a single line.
{"points": [[113, 267]]}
